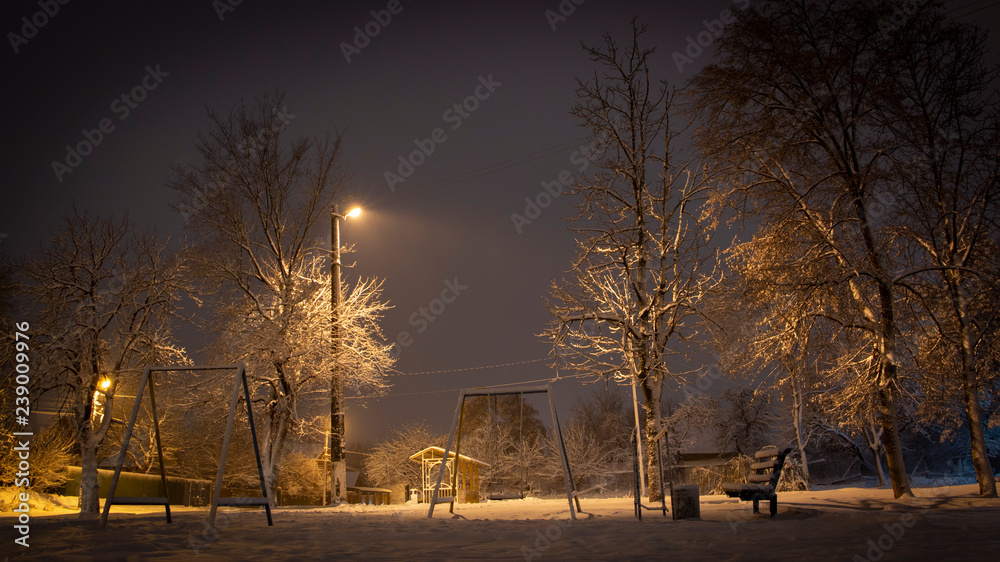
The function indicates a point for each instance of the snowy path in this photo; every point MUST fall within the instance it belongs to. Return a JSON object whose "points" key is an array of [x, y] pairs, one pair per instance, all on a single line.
{"points": [[832, 524]]}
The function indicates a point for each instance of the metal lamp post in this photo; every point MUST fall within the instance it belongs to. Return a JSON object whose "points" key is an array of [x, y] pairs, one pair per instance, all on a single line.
{"points": [[338, 457]]}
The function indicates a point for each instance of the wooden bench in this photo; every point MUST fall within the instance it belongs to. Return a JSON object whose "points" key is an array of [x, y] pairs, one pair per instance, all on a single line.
{"points": [[764, 480]]}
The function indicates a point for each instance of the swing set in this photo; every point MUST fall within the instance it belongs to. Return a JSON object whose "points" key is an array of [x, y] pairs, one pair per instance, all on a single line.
{"points": [[455, 437], [147, 379], [496, 480]]}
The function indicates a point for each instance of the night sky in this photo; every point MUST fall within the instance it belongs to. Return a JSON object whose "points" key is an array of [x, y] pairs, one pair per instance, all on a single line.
{"points": [[448, 222]]}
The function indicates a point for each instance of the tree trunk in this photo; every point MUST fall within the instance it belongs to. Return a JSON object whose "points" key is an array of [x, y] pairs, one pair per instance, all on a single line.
{"points": [[798, 409], [89, 501], [802, 452], [653, 423], [977, 438], [890, 439], [875, 445], [970, 388], [273, 446]]}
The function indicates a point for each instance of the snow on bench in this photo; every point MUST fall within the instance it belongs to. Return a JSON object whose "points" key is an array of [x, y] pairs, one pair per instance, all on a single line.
{"points": [[767, 471]]}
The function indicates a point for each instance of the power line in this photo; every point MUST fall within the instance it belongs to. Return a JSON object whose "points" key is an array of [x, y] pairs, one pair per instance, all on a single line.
{"points": [[969, 5], [548, 380], [977, 10], [472, 368], [553, 379]]}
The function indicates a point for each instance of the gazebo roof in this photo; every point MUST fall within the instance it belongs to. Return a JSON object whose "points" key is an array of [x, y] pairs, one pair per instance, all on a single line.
{"points": [[438, 453]]}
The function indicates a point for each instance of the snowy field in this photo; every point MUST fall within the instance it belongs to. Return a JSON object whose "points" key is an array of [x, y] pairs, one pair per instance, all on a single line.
{"points": [[948, 523]]}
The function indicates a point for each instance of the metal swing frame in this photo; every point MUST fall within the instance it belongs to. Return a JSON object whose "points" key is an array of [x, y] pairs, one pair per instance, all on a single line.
{"points": [[147, 377], [496, 443], [455, 436], [637, 469]]}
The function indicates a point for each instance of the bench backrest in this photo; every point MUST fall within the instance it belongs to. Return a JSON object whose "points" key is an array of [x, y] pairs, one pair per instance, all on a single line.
{"points": [[767, 469]]}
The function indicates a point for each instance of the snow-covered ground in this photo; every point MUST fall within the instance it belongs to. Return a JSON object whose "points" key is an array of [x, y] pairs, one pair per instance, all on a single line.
{"points": [[950, 523]]}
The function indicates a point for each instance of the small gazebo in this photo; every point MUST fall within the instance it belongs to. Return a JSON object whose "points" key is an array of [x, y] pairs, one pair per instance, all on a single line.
{"points": [[467, 483]]}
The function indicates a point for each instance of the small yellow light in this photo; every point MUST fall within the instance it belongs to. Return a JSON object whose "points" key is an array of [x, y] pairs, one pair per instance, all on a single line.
{"points": [[105, 383], [354, 212]]}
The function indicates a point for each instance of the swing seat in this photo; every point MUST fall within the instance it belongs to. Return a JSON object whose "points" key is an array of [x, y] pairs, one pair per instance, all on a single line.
{"points": [[507, 496]]}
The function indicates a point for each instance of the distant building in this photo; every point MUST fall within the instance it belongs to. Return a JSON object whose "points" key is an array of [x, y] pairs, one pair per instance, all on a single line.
{"points": [[467, 488]]}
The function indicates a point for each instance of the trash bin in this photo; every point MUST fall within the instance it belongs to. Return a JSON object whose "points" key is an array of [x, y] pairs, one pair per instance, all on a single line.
{"points": [[684, 502]]}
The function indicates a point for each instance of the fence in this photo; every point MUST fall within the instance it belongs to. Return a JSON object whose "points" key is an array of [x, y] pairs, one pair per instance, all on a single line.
{"points": [[180, 491]]}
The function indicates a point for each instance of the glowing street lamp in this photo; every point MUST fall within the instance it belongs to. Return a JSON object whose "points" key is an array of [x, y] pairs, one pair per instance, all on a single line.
{"points": [[98, 403], [338, 456]]}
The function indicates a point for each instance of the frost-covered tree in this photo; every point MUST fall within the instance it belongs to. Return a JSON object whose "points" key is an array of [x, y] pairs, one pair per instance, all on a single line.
{"points": [[642, 231], [598, 439], [507, 433], [789, 108], [389, 462], [257, 209], [745, 423], [103, 298], [946, 117], [861, 135]]}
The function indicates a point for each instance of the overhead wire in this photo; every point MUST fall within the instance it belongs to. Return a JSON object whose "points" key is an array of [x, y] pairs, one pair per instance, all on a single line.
{"points": [[480, 368], [976, 10], [545, 380], [965, 7]]}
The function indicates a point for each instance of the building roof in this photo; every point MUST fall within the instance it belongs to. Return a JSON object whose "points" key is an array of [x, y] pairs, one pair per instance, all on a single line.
{"points": [[438, 453]]}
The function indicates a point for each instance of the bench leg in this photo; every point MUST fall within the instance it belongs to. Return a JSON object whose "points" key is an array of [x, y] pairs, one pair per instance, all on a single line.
{"points": [[756, 506], [774, 506]]}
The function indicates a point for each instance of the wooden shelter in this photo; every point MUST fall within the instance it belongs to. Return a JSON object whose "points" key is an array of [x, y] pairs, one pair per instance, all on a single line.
{"points": [[368, 496], [466, 480]]}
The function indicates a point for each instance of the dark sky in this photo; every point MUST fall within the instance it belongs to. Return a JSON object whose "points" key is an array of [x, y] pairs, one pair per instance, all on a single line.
{"points": [[450, 220]]}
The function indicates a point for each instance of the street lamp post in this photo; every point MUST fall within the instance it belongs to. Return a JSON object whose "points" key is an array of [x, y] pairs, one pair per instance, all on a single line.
{"points": [[338, 458]]}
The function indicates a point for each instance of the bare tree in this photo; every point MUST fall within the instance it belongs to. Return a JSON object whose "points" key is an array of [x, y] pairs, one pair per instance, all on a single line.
{"points": [[507, 433], [688, 422], [389, 463], [253, 206], [746, 424], [948, 167], [598, 439], [103, 297], [862, 134], [789, 106], [642, 234]]}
